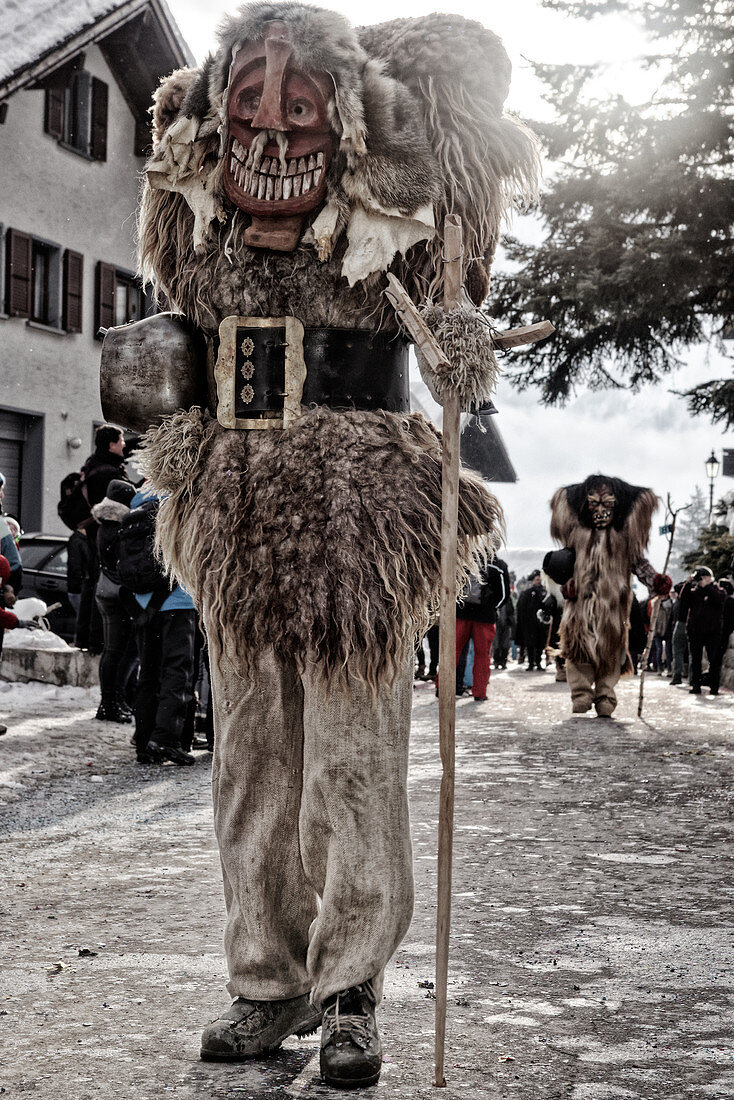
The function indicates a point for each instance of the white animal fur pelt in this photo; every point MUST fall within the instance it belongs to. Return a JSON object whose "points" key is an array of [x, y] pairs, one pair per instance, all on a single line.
{"points": [[594, 625], [322, 539]]}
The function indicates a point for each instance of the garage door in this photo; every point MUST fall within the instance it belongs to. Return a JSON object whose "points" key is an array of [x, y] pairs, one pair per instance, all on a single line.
{"points": [[13, 428]]}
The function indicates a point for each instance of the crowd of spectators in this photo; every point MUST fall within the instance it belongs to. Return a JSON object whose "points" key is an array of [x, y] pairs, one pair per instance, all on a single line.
{"points": [[519, 621]]}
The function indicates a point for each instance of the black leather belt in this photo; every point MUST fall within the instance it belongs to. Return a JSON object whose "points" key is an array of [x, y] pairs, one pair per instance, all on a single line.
{"points": [[353, 369], [345, 369]]}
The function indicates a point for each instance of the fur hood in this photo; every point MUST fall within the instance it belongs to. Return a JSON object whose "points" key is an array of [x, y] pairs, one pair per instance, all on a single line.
{"points": [[110, 511], [417, 110]]}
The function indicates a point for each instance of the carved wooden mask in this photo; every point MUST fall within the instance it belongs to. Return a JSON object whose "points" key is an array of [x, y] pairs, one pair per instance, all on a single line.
{"points": [[280, 141]]}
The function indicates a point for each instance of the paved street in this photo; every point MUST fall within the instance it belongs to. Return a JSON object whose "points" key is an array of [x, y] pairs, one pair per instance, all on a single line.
{"points": [[593, 925]]}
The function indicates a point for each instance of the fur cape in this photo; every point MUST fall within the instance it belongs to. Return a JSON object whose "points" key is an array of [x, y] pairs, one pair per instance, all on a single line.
{"points": [[595, 624], [322, 540]]}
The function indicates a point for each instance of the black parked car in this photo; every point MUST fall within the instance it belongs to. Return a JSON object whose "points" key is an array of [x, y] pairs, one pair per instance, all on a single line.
{"points": [[45, 559]]}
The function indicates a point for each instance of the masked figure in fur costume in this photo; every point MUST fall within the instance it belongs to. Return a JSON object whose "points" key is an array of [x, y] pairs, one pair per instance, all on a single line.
{"points": [[302, 502], [605, 523]]}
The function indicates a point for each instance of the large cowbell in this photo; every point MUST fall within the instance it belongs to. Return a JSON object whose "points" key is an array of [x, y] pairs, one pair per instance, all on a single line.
{"points": [[150, 369]]}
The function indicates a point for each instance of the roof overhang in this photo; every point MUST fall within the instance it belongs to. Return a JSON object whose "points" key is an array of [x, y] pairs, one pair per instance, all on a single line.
{"points": [[161, 47]]}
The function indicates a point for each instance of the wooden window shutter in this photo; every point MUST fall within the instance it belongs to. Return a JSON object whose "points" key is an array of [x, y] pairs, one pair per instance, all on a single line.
{"points": [[106, 284], [53, 122], [99, 120], [20, 269], [73, 285]]}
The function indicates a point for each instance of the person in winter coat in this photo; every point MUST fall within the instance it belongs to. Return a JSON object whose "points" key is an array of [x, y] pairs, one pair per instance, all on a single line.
{"points": [[659, 651], [505, 630], [119, 655], [532, 633], [679, 641], [550, 615], [8, 547], [106, 463], [702, 610], [476, 618], [165, 639]]}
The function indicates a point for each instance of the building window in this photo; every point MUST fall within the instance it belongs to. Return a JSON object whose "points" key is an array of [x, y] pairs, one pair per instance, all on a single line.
{"points": [[43, 282], [76, 114], [120, 297]]}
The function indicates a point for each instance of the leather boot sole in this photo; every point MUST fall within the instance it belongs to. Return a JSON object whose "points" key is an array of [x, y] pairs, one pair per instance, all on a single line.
{"points": [[351, 1083]]}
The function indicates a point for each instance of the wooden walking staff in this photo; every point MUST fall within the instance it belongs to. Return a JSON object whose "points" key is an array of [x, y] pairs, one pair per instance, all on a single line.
{"points": [[656, 606], [453, 280], [424, 339]]}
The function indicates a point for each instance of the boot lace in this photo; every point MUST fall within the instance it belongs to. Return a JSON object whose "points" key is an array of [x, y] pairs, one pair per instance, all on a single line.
{"points": [[354, 1025]]}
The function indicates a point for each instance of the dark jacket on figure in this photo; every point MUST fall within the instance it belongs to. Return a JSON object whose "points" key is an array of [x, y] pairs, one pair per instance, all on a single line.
{"points": [[99, 470], [78, 563], [702, 608], [727, 622], [486, 594], [530, 631]]}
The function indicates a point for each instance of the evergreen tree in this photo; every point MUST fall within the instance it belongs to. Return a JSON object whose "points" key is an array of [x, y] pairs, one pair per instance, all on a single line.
{"points": [[688, 527], [715, 549], [637, 261]]}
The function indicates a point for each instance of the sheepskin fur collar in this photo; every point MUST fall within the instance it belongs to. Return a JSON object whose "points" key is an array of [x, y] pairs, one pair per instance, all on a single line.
{"points": [[110, 511]]}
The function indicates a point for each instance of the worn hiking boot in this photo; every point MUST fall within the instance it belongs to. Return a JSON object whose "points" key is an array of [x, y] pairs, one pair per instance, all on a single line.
{"points": [[351, 1051], [250, 1028]]}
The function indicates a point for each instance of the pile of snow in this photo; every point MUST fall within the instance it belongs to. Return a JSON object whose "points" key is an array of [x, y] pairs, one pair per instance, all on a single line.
{"points": [[19, 697], [32, 608], [20, 638]]}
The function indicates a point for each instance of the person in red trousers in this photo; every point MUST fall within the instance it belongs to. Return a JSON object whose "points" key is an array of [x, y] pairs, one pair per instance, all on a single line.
{"points": [[476, 618]]}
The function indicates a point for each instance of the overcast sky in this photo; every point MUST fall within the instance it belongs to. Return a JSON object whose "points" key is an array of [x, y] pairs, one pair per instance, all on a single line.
{"points": [[647, 438]]}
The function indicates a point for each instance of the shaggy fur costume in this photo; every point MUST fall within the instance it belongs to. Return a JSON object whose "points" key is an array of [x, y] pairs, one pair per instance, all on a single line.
{"points": [[321, 539], [326, 537], [594, 625]]}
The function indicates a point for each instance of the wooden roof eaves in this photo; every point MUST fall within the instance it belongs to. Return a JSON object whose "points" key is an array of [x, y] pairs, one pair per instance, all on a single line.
{"points": [[90, 34]]}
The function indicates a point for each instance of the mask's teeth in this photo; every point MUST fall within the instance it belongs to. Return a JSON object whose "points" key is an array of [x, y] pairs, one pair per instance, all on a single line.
{"points": [[287, 187], [317, 176], [274, 167], [246, 180], [311, 163], [261, 186], [265, 166], [253, 184], [292, 166], [307, 181], [297, 181], [301, 166], [320, 160], [279, 188], [269, 188]]}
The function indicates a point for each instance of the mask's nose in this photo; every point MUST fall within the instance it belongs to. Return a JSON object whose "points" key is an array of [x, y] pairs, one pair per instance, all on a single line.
{"points": [[270, 114]]}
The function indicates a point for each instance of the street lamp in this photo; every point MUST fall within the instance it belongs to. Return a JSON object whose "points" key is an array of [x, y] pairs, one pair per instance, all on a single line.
{"points": [[712, 470]]}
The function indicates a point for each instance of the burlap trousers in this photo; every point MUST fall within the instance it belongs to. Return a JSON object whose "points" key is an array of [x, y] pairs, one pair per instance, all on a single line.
{"points": [[589, 687], [311, 816]]}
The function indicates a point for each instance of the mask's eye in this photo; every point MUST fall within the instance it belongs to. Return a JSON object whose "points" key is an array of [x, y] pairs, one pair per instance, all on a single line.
{"points": [[248, 102], [301, 111]]}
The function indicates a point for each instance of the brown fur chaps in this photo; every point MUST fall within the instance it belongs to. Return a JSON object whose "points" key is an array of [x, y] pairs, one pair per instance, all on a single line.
{"points": [[321, 539]]}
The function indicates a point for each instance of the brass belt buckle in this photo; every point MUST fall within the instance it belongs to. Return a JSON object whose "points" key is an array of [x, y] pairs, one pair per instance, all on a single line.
{"points": [[237, 366]]}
